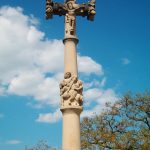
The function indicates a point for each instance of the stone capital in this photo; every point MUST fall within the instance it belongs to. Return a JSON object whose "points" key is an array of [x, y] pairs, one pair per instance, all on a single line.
{"points": [[73, 38], [73, 109]]}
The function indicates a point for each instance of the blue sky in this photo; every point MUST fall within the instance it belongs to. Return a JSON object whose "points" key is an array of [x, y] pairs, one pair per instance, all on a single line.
{"points": [[113, 58]]}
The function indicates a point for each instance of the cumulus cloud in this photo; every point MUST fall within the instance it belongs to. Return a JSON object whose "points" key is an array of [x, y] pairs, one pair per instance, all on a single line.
{"points": [[87, 65], [50, 117], [95, 83], [125, 61], [13, 142], [99, 97], [44, 90], [29, 64]]}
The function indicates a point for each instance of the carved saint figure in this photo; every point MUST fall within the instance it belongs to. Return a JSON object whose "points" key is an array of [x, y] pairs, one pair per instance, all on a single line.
{"points": [[70, 25], [70, 6], [71, 91]]}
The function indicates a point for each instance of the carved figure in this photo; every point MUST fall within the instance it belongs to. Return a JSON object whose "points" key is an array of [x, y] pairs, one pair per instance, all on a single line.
{"points": [[49, 9], [72, 8], [70, 25], [71, 91], [91, 10]]}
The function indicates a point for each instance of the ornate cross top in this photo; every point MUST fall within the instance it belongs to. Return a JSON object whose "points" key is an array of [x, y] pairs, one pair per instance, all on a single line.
{"points": [[70, 7]]}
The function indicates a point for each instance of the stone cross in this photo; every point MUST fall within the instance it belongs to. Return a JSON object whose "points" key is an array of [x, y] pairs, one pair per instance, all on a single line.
{"points": [[71, 88], [70, 9]]}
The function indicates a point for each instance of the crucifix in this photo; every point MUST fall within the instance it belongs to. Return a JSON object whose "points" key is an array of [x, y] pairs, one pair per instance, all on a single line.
{"points": [[71, 88]]}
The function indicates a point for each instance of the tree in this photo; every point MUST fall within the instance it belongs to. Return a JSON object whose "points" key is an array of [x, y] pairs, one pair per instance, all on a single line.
{"points": [[41, 145], [124, 125]]}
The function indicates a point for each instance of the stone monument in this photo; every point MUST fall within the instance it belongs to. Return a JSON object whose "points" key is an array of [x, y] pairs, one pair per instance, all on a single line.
{"points": [[71, 88]]}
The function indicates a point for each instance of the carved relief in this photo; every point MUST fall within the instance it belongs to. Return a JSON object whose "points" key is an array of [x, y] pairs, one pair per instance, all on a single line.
{"points": [[71, 91], [49, 9], [70, 18], [91, 10], [70, 25], [72, 8], [53, 8]]}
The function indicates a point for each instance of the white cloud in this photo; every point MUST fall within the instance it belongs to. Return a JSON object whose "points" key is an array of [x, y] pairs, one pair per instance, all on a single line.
{"points": [[50, 117], [95, 83], [87, 65], [13, 142], [44, 90], [35, 105], [100, 98], [125, 61]]}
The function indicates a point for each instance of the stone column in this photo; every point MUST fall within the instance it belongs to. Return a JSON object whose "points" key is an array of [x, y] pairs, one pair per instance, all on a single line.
{"points": [[71, 89], [70, 55]]}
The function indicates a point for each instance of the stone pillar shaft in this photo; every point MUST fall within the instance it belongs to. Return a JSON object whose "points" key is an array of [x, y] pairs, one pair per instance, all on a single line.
{"points": [[70, 56], [71, 129], [71, 89]]}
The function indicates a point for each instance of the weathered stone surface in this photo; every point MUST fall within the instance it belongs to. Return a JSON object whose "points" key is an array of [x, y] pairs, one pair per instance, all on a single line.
{"points": [[70, 7], [71, 91]]}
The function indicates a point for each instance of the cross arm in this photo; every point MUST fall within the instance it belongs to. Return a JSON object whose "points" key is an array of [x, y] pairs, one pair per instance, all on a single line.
{"points": [[54, 9], [86, 10], [70, 6]]}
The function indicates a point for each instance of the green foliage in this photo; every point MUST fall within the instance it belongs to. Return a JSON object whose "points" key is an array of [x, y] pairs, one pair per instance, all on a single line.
{"points": [[124, 125]]}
